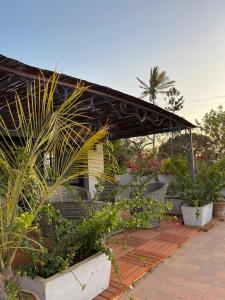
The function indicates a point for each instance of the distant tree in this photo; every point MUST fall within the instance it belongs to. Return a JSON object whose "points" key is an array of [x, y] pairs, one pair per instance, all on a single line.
{"points": [[174, 100], [159, 82], [123, 151], [180, 145], [132, 149], [213, 125]]}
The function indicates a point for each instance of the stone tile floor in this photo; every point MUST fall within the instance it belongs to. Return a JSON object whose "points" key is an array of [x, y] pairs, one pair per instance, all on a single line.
{"points": [[140, 251], [195, 271]]}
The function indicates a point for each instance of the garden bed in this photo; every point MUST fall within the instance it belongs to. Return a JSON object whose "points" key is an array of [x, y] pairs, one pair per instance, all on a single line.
{"points": [[83, 281]]}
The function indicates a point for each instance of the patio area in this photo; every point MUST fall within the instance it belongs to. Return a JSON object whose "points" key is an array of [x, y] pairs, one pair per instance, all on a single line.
{"points": [[141, 251], [67, 139], [194, 271]]}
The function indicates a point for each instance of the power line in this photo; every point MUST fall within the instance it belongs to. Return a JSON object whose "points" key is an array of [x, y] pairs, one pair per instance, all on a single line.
{"points": [[211, 103], [207, 98], [204, 105]]}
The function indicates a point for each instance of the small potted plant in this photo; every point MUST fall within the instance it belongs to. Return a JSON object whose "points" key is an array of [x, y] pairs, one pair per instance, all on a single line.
{"points": [[171, 171], [196, 210], [215, 181], [196, 197]]}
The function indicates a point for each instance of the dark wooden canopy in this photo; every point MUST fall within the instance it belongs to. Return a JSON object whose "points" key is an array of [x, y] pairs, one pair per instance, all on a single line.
{"points": [[127, 116]]}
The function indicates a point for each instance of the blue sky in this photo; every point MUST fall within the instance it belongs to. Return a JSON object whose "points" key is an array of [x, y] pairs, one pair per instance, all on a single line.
{"points": [[112, 42]]}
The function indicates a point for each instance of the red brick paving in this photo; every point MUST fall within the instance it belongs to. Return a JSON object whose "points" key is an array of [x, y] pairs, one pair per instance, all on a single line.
{"points": [[139, 251]]}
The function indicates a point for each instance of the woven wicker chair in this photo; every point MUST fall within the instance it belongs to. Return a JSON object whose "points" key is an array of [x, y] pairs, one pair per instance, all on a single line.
{"points": [[156, 190], [69, 205], [66, 200], [69, 194]]}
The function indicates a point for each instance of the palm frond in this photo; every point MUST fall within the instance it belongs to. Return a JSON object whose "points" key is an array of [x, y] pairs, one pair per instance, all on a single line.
{"points": [[41, 126]]}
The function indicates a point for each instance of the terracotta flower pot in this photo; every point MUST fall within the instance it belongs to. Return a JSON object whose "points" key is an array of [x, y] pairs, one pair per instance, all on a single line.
{"points": [[21, 258], [219, 209]]}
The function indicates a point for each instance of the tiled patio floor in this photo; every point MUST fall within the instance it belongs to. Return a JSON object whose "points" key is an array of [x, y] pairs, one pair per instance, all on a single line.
{"points": [[140, 251], [195, 271]]}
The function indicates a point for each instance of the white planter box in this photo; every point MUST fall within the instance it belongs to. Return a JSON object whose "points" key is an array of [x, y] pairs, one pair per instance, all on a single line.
{"points": [[93, 273], [190, 218]]}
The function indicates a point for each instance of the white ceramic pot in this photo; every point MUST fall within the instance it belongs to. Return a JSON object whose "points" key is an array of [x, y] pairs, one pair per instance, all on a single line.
{"points": [[92, 273], [190, 217]]}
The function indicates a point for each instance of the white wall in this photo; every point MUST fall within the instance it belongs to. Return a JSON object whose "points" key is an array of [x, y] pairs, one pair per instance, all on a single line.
{"points": [[95, 168]]}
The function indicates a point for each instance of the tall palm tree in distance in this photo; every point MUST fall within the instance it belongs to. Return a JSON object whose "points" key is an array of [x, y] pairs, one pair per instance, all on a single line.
{"points": [[159, 82]]}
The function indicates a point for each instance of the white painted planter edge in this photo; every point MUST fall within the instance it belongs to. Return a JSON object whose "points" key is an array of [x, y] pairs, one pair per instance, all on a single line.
{"points": [[99, 268]]}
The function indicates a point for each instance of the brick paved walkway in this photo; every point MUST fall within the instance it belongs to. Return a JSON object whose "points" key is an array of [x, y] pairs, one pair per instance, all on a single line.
{"points": [[140, 251], [195, 271]]}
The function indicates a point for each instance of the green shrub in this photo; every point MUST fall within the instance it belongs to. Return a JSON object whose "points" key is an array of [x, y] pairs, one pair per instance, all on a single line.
{"points": [[73, 242], [209, 180]]}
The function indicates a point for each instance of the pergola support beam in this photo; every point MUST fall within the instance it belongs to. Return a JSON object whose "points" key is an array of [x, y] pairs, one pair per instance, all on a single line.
{"points": [[191, 155]]}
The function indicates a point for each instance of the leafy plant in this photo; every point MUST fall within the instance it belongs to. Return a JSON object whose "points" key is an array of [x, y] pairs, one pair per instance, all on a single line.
{"points": [[212, 125], [12, 290], [174, 100], [159, 82], [209, 180], [73, 242], [35, 125], [174, 165], [179, 145]]}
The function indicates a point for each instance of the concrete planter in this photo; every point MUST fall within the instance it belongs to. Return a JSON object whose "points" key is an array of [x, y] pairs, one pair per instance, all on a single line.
{"points": [[190, 218], [93, 274]]}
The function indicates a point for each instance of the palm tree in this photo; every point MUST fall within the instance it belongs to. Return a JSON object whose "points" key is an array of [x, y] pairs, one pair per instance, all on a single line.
{"points": [[159, 82], [40, 126]]}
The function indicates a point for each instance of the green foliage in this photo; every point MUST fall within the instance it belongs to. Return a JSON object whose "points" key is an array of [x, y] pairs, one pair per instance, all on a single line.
{"points": [[36, 125], [124, 151], [179, 145], [12, 290], [210, 179], [212, 125], [73, 242], [143, 207], [23, 221], [174, 165], [213, 178], [135, 153], [174, 100], [159, 82]]}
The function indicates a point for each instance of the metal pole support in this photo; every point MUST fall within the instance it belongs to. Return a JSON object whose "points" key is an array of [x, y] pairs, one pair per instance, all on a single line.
{"points": [[191, 155]]}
